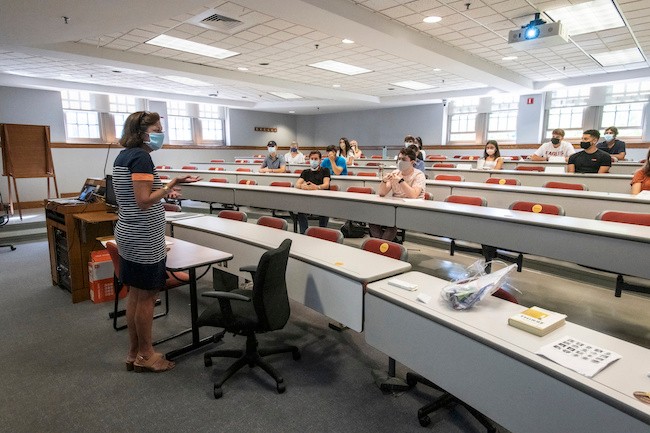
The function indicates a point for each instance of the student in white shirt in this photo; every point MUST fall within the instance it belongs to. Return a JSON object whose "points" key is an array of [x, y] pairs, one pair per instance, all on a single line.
{"points": [[294, 156], [556, 147]]}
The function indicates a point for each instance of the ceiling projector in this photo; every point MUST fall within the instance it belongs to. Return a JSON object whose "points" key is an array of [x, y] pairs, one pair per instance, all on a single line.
{"points": [[538, 34]]}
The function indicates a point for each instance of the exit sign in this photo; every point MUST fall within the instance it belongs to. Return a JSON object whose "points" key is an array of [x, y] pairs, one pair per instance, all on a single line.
{"points": [[530, 101]]}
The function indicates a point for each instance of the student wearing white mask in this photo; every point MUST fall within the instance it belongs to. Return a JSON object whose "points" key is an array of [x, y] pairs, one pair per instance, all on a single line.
{"points": [[316, 177], [615, 148], [405, 182], [492, 156], [273, 163]]}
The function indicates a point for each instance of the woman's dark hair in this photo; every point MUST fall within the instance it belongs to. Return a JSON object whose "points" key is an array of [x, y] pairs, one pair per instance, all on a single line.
{"points": [[347, 147], [407, 151], [418, 140], [497, 154], [414, 148], [135, 127], [646, 166]]}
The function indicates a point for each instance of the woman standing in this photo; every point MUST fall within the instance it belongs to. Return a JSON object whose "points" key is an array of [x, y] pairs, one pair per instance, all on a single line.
{"points": [[140, 233]]}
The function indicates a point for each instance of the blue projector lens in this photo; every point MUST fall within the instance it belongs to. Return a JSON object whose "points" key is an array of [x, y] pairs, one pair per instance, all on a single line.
{"points": [[531, 33]]}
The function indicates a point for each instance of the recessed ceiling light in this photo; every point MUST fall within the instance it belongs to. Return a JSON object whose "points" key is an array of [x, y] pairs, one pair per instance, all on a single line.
{"points": [[336, 85], [413, 85], [347, 41], [286, 95], [186, 81], [432, 19], [619, 57], [242, 68], [506, 58], [291, 111], [340, 67], [588, 17], [191, 47], [437, 69]]}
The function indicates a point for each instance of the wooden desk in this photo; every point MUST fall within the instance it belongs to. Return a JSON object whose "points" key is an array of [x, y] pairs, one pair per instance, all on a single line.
{"points": [[477, 357], [327, 277]]}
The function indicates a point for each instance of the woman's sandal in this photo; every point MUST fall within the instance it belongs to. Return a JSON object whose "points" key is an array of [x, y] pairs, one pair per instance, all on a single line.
{"points": [[156, 363], [129, 365]]}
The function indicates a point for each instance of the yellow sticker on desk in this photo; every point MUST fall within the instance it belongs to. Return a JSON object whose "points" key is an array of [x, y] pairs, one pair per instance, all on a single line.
{"points": [[383, 247], [502, 181], [537, 208], [339, 263]]}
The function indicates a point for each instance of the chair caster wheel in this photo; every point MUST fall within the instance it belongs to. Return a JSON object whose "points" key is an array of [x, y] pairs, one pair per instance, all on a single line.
{"points": [[207, 361], [296, 355], [281, 388], [410, 380], [424, 421], [218, 392]]}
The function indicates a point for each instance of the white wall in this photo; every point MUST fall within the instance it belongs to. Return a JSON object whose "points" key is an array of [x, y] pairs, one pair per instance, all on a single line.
{"points": [[243, 122]]}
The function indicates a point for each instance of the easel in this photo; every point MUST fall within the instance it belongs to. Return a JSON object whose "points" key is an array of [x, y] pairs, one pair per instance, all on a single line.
{"points": [[26, 153]]}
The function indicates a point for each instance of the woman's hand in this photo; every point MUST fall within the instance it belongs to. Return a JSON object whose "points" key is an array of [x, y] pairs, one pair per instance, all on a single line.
{"points": [[187, 179]]}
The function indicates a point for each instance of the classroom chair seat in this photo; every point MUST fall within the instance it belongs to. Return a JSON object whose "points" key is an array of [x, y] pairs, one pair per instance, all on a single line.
{"points": [[273, 222], [233, 215], [244, 169], [360, 189], [217, 160], [530, 168], [386, 248], [444, 165], [189, 167], [325, 233], [449, 177], [217, 169], [503, 181], [565, 185], [163, 167], [247, 182], [367, 173], [468, 200], [218, 180]]}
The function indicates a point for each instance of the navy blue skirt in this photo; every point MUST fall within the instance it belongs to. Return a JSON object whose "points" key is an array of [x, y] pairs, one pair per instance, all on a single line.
{"points": [[146, 277]]}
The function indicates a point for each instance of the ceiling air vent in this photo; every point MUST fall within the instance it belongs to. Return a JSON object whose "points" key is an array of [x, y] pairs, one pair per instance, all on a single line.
{"points": [[214, 20]]}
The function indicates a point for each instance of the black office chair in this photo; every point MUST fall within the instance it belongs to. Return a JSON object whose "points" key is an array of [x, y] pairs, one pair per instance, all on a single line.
{"points": [[4, 219], [265, 308]]}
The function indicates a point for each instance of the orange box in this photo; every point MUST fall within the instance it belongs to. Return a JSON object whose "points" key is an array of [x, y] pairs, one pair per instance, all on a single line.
{"points": [[100, 276], [102, 291]]}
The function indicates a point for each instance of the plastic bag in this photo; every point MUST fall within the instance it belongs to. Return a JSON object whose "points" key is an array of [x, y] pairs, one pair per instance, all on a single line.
{"points": [[475, 285]]}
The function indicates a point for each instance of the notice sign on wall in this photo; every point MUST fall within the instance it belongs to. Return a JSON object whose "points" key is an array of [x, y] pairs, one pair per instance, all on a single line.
{"points": [[262, 129]]}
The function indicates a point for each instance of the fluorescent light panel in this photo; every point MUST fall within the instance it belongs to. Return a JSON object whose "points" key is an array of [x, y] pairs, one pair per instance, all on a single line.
{"points": [[186, 81], [413, 85], [587, 17], [191, 47], [286, 95], [619, 57], [340, 67]]}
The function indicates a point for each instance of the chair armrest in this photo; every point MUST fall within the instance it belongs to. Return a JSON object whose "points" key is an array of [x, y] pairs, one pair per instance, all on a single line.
{"points": [[226, 295], [250, 268]]}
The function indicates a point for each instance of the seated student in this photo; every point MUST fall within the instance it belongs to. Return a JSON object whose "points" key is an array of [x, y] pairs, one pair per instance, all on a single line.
{"points": [[590, 159], [294, 156], [492, 159], [419, 161], [641, 180], [345, 150], [418, 141], [273, 163], [315, 177], [405, 182], [355, 149], [556, 147], [616, 148], [335, 164]]}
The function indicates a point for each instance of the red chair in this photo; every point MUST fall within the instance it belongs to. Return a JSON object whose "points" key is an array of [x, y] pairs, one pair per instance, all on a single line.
{"points": [[436, 158], [350, 173], [244, 169], [373, 164], [367, 173], [360, 189], [326, 234], [530, 168], [457, 156], [233, 215], [171, 207], [175, 279], [529, 206], [636, 218], [444, 165], [468, 200], [189, 167], [216, 169], [240, 161], [376, 157], [334, 187], [501, 181], [258, 156], [514, 158], [642, 161], [247, 182], [217, 160], [281, 184], [449, 177], [471, 158], [273, 222], [163, 177], [258, 161], [163, 167], [385, 248], [428, 195], [564, 185], [218, 180]]}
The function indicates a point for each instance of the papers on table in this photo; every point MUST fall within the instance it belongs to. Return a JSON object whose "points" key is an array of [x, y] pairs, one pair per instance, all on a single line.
{"points": [[581, 357]]}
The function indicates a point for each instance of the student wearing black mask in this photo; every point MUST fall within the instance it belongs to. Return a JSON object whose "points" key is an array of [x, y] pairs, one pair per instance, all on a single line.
{"points": [[591, 159], [556, 147]]}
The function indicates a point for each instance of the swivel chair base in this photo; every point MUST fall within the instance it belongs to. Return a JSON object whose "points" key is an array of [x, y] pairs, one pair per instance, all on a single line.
{"points": [[13, 248]]}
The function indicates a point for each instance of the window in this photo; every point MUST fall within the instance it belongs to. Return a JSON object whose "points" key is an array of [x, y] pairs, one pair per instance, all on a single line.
{"points": [[462, 120], [566, 112], [211, 123], [179, 123], [80, 121], [626, 110], [502, 120], [120, 107]]}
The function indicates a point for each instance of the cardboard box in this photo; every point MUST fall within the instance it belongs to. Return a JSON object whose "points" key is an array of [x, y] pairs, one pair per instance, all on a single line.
{"points": [[100, 276]]}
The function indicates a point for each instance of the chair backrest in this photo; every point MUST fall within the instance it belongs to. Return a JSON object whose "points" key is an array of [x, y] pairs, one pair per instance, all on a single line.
{"points": [[444, 165], [233, 215], [386, 248], [376, 157], [273, 222], [466, 199], [217, 160], [111, 247], [171, 207], [281, 184], [373, 164], [163, 167], [503, 181], [163, 177], [641, 219], [361, 189], [270, 298], [334, 187], [436, 157], [564, 185], [507, 296], [219, 180], [529, 206], [258, 161], [325, 233], [515, 158], [530, 168], [189, 167], [297, 171], [428, 195], [471, 158], [367, 173], [247, 182], [258, 156], [244, 169], [449, 177], [217, 169]]}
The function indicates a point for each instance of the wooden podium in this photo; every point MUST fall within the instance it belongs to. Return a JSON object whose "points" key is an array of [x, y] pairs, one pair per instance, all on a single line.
{"points": [[72, 232]]}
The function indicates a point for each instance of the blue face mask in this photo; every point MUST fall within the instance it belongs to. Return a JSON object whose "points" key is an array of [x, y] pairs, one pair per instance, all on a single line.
{"points": [[608, 137], [314, 164], [155, 140], [294, 149]]}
